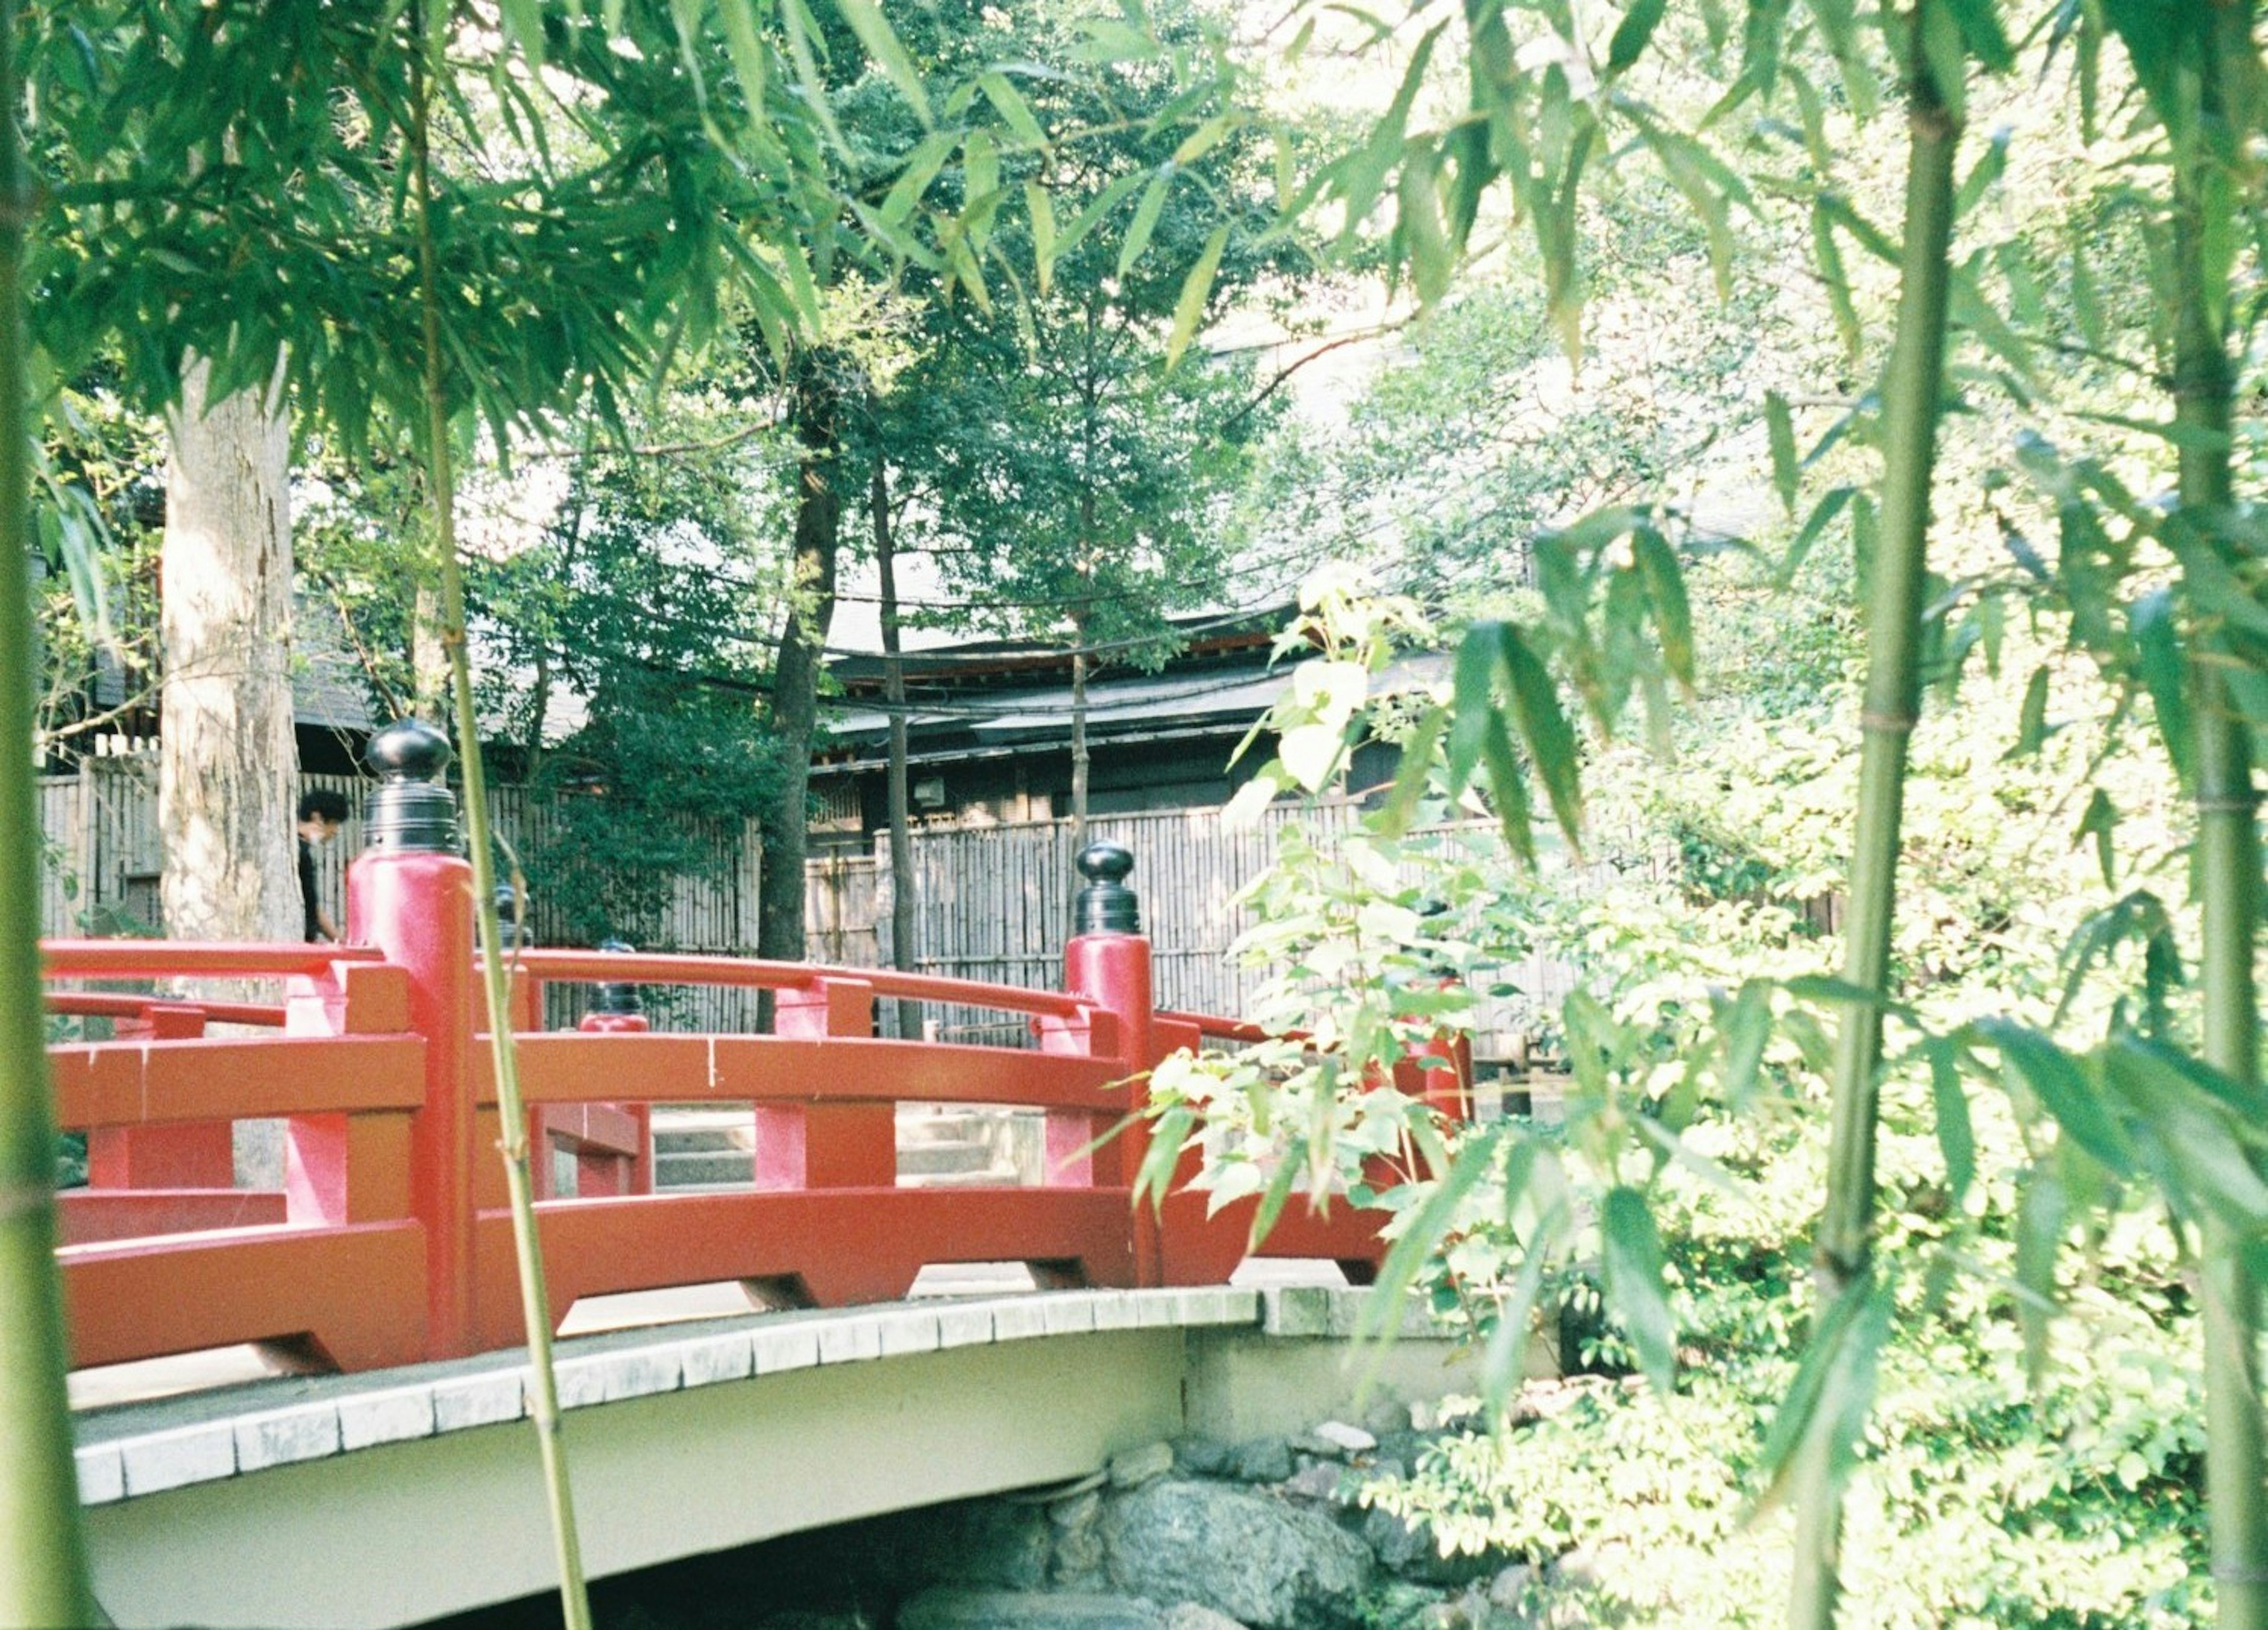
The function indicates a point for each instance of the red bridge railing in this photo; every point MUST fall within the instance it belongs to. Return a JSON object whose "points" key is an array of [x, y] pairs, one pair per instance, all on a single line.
{"points": [[389, 1241]]}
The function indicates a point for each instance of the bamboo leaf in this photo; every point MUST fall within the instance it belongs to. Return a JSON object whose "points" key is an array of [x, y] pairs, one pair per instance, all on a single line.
{"points": [[888, 53], [1632, 32], [523, 25], [1197, 290], [1271, 1203], [1665, 587], [1544, 724], [1412, 775], [1144, 222], [1102, 204], [1507, 788], [2064, 1090], [1836, 278], [1431, 1223], [746, 46], [1634, 1283], [2101, 822], [1822, 515], [1009, 103], [2032, 720], [1042, 209], [1472, 700], [2039, 1213], [1956, 1136], [1504, 1364], [1781, 428], [1832, 1390], [1743, 1027], [1160, 1160], [2158, 656]]}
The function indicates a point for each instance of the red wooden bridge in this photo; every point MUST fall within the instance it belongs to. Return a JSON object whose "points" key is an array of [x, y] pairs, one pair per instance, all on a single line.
{"points": [[389, 1241]]}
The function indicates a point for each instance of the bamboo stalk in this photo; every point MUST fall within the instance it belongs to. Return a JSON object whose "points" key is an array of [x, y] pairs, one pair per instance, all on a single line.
{"points": [[1842, 1250], [2228, 852], [43, 1578], [511, 1115]]}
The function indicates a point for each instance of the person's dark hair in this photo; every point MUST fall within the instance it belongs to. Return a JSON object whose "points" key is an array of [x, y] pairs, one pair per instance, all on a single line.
{"points": [[322, 802]]}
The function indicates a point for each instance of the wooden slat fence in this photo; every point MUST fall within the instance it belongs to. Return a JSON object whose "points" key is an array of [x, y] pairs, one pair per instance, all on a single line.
{"points": [[993, 903]]}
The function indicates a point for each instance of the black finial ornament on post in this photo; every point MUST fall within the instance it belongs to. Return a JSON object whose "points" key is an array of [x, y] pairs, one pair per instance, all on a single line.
{"points": [[1106, 904], [620, 1000], [408, 811]]}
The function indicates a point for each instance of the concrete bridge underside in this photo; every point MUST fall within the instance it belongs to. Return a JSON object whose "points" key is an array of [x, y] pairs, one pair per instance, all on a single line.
{"points": [[389, 1499]]}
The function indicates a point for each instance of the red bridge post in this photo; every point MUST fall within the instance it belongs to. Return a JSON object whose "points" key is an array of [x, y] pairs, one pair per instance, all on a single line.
{"points": [[1107, 963], [410, 895]]}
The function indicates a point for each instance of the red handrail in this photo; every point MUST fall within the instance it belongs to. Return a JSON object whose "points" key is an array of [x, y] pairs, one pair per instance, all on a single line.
{"points": [[109, 1005], [1218, 1029], [137, 959], [663, 968], [388, 1243]]}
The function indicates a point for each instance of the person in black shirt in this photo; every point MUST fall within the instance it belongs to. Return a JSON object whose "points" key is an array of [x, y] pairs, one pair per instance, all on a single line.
{"points": [[321, 812]]}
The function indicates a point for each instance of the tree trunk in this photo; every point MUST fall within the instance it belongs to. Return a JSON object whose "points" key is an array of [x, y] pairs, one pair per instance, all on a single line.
{"points": [[429, 656], [795, 678], [893, 692], [1079, 741], [43, 1578], [228, 766], [2229, 850], [1078, 728], [1913, 388]]}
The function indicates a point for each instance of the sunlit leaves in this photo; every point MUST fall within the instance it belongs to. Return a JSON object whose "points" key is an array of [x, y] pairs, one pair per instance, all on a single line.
{"points": [[1825, 1414], [1197, 288], [1634, 1282]]}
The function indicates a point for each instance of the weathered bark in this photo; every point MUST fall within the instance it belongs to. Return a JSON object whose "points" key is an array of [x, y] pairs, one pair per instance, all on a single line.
{"points": [[795, 676], [429, 656], [228, 766], [1078, 743], [894, 691]]}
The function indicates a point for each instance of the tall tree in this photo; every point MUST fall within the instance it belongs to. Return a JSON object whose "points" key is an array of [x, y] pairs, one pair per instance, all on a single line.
{"points": [[228, 761], [902, 904], [815, 410]]}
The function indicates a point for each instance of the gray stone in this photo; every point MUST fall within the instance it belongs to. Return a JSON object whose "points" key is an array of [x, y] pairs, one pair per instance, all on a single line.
{"points": [[1399, 1606], [1080, 1560], [1137, 1466], [1260, 1560], [1261, 1460], [1348, 1441], [1510, 1588], [1196, 1616], [1200, 1457], [1077, 1511], [1394, 1541], [1053, 1493], [1319, 1479], [954, 1607], [1387, 1417]]}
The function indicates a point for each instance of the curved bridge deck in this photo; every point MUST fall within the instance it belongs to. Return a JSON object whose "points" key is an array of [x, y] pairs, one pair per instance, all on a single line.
{"points": [[389, 1498]]}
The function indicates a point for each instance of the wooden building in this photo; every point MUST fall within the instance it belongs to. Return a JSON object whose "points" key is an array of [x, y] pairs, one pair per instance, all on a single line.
{"points": [[990, 732]]}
